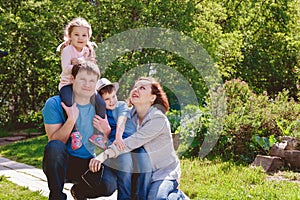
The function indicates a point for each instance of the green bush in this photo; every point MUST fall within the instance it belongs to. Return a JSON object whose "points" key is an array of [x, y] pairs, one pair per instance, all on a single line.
{"points": [[252, 124], [193, 128], [174, 117], [250, 117]]}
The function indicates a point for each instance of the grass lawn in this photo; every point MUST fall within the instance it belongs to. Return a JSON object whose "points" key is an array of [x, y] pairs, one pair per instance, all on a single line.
{"points": [[10, 191], [201, 179]]}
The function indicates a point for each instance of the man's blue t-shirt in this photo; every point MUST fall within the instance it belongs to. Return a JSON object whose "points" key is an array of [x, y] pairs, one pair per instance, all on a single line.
{"points": [[53, 114]]}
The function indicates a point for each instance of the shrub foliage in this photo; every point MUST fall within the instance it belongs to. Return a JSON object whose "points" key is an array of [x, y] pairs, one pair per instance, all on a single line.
{"points": [[251, 125]]}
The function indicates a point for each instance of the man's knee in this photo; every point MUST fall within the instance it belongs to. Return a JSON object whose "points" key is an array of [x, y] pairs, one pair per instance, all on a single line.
{"points": [[55, 151], [55, 147], [104, 189]]}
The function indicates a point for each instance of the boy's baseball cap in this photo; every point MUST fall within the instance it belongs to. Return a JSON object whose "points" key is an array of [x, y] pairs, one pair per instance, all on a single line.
{"points": [[105, 82]]}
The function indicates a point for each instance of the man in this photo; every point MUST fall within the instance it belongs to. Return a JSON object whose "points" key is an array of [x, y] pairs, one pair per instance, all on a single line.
{"points": [[61, 162]]}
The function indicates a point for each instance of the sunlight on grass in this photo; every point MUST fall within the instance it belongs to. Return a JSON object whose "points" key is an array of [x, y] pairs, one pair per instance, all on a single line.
{"points": [[201, 179], [10, 191]]}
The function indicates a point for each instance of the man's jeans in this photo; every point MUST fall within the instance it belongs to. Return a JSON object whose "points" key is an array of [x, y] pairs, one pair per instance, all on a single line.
{"points": [[59, 166]]}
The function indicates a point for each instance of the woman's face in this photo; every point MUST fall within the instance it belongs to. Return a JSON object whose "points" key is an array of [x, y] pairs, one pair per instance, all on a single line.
{"points": [[141, 93]]}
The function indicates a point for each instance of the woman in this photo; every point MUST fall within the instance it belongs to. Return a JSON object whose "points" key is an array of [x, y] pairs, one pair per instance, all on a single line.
{"points": [[150, 104]]}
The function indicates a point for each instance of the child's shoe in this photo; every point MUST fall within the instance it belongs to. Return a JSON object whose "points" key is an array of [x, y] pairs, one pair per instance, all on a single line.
{"points": [[98, 140], [76, 140]]}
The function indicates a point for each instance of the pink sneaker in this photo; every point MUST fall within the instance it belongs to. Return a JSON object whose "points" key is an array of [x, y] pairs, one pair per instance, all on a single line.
{"points": [[76, 140], [98, 140]]}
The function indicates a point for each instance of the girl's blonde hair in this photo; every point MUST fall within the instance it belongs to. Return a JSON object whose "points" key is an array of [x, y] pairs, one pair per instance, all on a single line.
{"points": [[77, 22]]}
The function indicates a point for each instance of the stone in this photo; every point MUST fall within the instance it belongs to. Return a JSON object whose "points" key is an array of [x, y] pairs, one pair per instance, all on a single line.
{"points": [[268, 163], [278, 150], [292, 143], [292, 158]]}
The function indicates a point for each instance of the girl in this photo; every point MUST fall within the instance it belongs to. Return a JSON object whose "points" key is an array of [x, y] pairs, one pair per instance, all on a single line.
{"points": [[76, 47]]}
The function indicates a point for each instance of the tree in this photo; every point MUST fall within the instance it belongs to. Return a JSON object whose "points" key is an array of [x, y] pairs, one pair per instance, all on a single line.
{"points": [[257, 41], [270, 43]]}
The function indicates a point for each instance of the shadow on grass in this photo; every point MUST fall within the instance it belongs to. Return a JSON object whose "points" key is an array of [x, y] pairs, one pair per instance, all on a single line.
{"points": [[28, 151]]}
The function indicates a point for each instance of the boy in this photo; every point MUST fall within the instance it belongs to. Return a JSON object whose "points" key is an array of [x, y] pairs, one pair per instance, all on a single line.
{"points": [[118, 116]]}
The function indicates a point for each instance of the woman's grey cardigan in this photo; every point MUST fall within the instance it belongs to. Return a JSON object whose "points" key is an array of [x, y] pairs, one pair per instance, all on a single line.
{"points": [[154, 134]]}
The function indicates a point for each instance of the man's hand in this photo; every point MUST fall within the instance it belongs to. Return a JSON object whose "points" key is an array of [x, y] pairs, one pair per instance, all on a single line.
{"points": [[72, 112], [101, 125], [62, 131], [94, 165]]}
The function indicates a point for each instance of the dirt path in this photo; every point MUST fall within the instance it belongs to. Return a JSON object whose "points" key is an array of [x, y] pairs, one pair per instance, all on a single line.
{"points": [[17, 137], [282, 176]]}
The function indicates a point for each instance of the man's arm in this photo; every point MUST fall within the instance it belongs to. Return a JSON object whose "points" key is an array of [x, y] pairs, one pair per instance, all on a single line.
{"points": [[62, 131]]}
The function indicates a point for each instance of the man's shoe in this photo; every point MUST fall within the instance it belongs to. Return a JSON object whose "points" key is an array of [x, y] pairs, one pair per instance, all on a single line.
{"points": [[75, 194]]}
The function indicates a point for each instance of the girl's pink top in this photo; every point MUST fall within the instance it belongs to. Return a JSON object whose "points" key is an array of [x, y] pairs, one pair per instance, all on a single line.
{"points": [[68, 53]]}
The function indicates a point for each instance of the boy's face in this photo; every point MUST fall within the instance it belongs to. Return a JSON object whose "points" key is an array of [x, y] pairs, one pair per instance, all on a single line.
{"points": [[111, 100]]}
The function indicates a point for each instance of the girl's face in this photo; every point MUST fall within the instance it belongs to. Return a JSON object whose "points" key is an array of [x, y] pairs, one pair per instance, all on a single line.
{"points": [[111, 100], [141, 94], [79, 37]]}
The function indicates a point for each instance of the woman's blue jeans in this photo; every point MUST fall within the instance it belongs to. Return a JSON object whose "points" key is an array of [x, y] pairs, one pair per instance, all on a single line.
{"points": [[133, 173], [142, 174], [122, 167], [165, 189]]}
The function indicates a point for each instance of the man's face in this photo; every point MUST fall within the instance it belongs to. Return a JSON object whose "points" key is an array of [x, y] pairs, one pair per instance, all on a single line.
{"points": [[84, 84]]}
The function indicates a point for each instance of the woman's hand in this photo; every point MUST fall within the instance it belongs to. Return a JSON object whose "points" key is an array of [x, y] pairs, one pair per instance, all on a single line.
{"points": [[94, 165]]}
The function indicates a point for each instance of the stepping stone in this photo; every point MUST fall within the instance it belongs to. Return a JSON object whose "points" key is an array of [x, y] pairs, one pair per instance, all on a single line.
{"points": [[268, 163]]}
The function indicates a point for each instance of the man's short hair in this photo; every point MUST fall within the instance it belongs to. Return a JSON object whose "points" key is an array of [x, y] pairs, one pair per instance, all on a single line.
{"points": [[86, 65]]}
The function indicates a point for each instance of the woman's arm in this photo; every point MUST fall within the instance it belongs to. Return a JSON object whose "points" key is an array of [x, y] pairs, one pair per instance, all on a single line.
{"points": [[149, 130], [152, 127], [156, 124]]}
